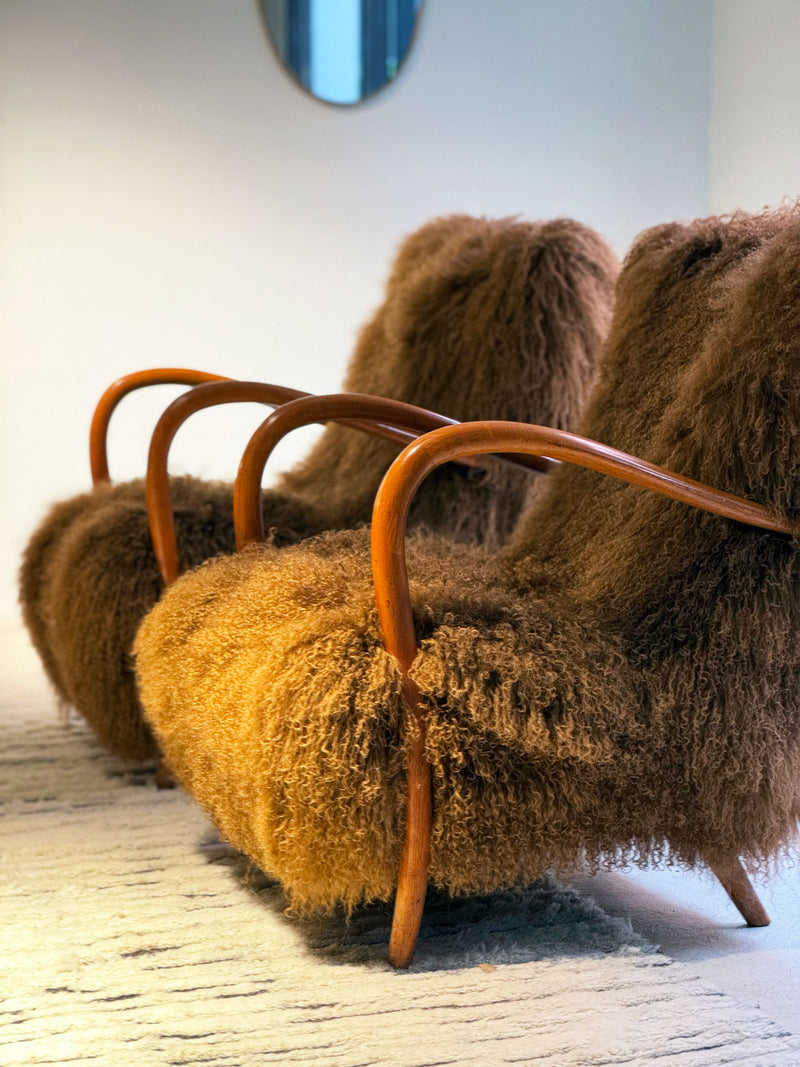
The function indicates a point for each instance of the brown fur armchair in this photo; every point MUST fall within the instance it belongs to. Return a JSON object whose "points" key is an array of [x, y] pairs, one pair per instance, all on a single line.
{"points": [[482, 318], [622, 683]]}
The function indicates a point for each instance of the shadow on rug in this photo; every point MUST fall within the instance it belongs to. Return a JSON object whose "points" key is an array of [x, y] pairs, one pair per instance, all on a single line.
{"points": [[542, 921]]}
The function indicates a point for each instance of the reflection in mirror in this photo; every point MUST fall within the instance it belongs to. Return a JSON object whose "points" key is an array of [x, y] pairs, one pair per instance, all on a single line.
{"points": [[342, 50]]}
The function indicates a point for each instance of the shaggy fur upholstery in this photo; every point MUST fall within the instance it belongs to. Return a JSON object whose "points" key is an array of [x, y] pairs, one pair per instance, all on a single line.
{"points": [[491, 319], [34, 575], [265, 678], [119, 533], [625, 680], [481, 316]]}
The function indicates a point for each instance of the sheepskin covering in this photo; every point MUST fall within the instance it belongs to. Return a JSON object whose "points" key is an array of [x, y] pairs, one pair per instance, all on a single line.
{"points": [[481, 319], [498, 319], [92, 649], [622, 681], [277, 707]]}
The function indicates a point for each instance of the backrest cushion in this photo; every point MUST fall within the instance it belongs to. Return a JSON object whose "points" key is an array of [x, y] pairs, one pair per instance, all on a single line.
{"points": [[575, 536], [482, 319]]}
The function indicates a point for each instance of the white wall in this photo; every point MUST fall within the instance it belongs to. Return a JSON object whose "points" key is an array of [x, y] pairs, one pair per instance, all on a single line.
{"points": [[167, 196], [755, 132]]}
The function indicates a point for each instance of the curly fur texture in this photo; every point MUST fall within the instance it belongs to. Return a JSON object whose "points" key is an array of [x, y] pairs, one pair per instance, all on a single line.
{"points": [[482, 318], [109, 548], [498, 319], [36, 569], [623, 683], [664, 310], [265, 677]]}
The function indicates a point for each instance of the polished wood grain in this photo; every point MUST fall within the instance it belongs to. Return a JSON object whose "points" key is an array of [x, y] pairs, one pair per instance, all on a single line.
{"points": [[128, 383], [396, 618], [739, 888], [248, 517], [98, 431], [412, 880], [228, 391], [370, 414]]}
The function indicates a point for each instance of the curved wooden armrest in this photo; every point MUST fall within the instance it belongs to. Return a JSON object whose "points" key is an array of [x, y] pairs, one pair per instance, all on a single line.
{"points": [[226, 391], [335, 407], [440, 446], [157, 492], [98, 431], [396, 617]]}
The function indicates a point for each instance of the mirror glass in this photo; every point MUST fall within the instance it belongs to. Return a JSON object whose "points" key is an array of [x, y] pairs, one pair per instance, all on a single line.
{"points": [[342, 51]]}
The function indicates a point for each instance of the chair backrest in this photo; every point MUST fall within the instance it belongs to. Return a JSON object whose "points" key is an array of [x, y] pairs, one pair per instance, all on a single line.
{"points": [[670, 298], [734, 425], [706, 610], [481, 319]]}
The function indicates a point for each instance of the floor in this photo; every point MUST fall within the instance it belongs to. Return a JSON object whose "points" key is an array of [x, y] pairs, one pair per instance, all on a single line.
{"points": [[687, 914], [691, 918]]}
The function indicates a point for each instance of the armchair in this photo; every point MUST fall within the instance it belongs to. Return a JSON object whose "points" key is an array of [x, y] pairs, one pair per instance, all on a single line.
{"points": [[620, 683]]}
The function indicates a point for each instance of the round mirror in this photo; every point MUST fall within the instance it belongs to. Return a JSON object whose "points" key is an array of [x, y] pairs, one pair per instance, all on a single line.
{"points": [[342, 51]]}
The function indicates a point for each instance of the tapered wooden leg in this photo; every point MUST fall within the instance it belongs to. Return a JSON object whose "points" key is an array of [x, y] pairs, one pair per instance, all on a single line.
{"points": [[739, 888], [165, 779], [413, 878]]}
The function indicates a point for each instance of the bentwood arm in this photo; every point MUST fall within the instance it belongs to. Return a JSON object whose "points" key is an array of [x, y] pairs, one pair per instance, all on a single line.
{"points": [[98, 431], [396, 619], [159, 505], [336, 407]]}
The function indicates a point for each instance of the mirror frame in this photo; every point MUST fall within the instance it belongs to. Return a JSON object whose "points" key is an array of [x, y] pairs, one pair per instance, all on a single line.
{"points": [[296, 80]]}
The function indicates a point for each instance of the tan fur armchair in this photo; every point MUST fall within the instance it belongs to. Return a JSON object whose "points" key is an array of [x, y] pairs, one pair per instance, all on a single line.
{"points": [[621, 683]]}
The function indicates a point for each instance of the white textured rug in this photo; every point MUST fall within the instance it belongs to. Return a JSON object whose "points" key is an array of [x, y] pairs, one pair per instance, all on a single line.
{"points": [[130, 935]]}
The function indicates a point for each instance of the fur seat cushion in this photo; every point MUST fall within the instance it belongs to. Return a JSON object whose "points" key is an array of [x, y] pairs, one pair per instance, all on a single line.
{"points": [[104, 579], [624, 680], [295, 740], [482, 318]]}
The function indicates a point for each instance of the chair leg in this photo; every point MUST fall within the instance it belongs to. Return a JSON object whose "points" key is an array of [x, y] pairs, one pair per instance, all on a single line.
{"points": [[739, 888], [165, 779], [413, 878]]}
